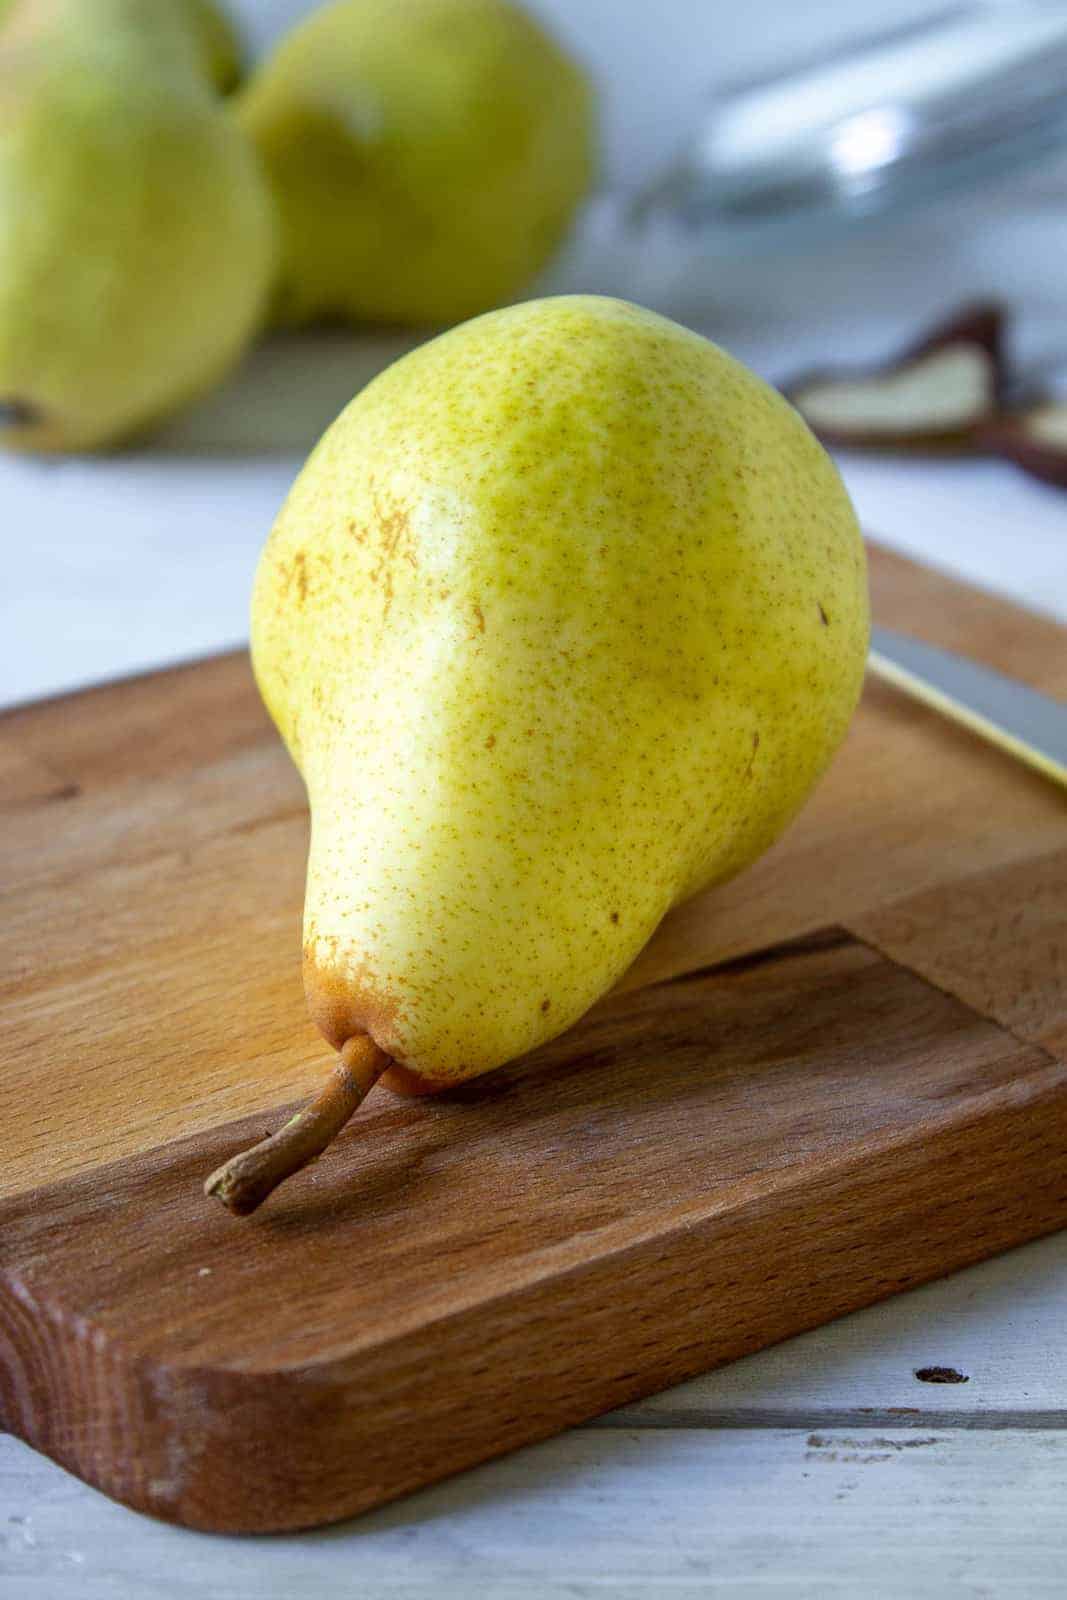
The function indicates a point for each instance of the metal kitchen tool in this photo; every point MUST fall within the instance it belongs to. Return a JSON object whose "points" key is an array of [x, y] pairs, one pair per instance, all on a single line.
{"points": [[1029, 725], [903, 118]]}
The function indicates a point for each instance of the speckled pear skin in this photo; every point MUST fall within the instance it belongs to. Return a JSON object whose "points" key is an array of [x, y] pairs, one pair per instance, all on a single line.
{"points": [[562, 620]]}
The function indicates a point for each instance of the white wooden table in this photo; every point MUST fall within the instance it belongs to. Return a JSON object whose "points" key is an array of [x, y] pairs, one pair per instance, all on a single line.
{"points": [[821, 1468]]}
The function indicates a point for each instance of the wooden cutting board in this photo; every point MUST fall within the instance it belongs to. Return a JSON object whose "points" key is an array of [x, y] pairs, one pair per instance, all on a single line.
{"points": [[840, 1075]]}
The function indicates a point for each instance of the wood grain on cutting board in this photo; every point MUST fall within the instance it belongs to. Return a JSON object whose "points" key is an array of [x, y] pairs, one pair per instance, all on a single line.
{"points": [[700, 1168]]}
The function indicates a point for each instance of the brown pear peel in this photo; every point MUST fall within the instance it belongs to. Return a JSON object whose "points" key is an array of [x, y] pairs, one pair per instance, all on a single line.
{"points": [[1035, 439], [938, 395]]}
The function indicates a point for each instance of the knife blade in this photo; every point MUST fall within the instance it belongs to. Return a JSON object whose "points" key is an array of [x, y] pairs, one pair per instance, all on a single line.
{"points": [[1029, 725]]}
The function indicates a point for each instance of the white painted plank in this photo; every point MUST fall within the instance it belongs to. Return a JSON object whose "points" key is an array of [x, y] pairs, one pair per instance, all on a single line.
{"points": [[1001, 1324], [626, 1514], [639, 1511]]}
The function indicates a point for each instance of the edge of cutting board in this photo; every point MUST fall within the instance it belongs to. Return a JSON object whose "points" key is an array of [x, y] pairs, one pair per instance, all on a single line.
{"points": [[194, 1419]]}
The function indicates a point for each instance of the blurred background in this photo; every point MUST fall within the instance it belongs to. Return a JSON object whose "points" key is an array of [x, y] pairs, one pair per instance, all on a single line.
{"points": [[143, 554], [656, 65]]}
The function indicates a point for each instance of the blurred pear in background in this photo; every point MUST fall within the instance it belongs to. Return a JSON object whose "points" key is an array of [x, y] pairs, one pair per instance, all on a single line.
{"points": [[427, 157], [217, 42], [136, 229]]}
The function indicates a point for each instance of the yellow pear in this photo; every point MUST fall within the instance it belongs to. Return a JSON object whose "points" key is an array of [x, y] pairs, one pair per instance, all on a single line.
{"points": [[136, 229], [562, 620], [426, 156]]}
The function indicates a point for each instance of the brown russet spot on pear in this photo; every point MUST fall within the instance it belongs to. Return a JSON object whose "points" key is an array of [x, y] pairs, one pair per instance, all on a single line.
{"points": [[341, 1006], [650, 535]]}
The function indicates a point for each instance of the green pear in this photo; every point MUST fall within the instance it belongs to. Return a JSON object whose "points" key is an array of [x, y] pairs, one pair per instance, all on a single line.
{"points": [[137, 242], [561, 622], [427, 156], [217, 42]]}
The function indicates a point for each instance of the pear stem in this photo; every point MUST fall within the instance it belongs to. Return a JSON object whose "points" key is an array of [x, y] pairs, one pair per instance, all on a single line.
{"points": [[245, 1181]]}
